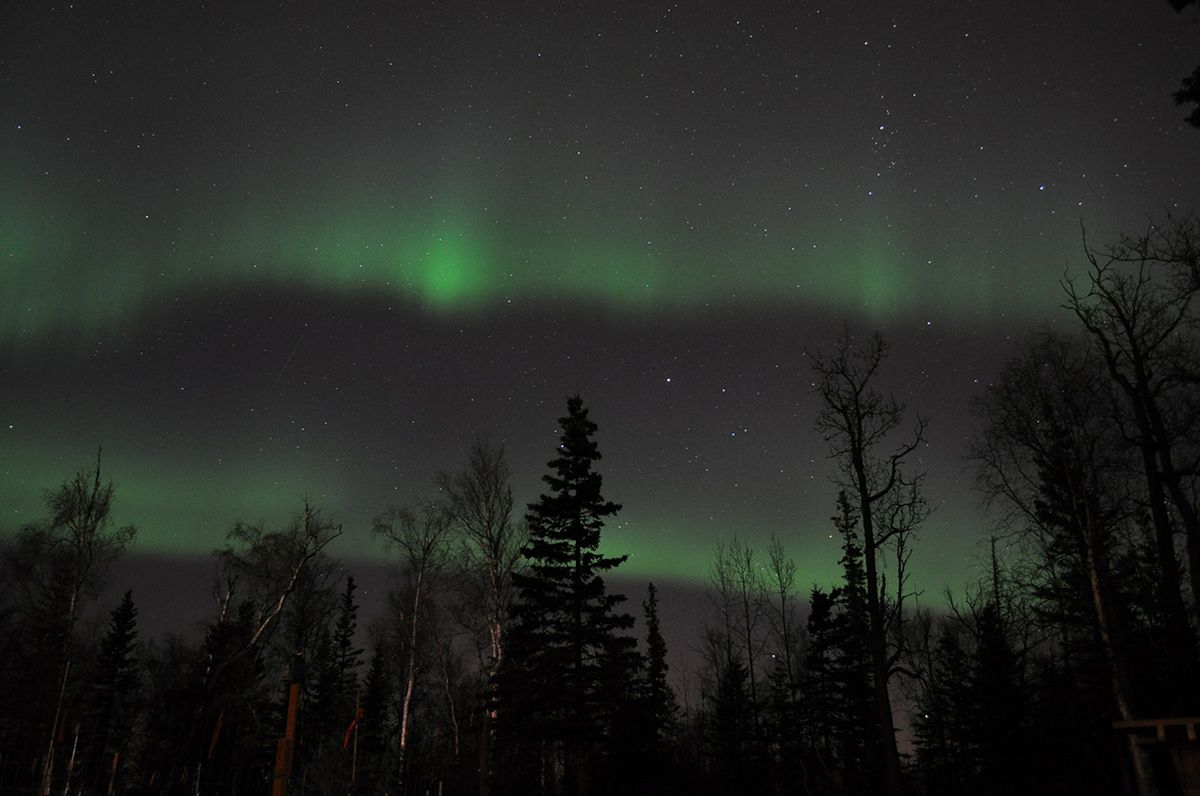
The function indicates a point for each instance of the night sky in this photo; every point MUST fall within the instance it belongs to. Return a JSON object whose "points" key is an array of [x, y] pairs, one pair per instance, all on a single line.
{"points": [[259, 251]]}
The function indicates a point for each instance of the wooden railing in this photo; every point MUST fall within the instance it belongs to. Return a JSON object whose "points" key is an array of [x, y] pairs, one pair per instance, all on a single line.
{"points": [[1160, 726]]}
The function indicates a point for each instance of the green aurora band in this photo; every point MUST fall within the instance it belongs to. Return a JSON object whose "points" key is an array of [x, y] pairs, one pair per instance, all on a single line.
{"points": [[61, 278], [68, 279], [181, 511], [177, 508]]}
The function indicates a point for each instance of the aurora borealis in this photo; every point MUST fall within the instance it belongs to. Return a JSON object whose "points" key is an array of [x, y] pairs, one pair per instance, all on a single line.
{"points": [[315, 248]]}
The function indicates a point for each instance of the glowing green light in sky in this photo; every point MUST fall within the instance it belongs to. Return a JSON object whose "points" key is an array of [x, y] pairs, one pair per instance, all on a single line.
{"points": [[452, 273], [179, 509], [672, 550], [63, 277], [185, 505]]}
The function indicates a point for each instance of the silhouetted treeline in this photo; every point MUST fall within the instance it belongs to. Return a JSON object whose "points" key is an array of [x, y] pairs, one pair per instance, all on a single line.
{"points": [[503, 663]]}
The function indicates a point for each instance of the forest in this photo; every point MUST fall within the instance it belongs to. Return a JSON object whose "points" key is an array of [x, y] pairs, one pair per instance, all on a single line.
{"points": [[505, 664]]}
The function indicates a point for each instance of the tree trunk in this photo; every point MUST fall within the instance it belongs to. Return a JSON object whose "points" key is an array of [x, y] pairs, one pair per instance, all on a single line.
{"points": [[1179, 634], [410, 681], [1111, 628], [1191, 522], [893, 777], [496, 648], [1111, 635], [485, 754]]}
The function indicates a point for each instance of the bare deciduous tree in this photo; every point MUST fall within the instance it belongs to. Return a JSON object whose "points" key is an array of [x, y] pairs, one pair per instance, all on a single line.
{"points": [[1048, 457], [57, 565], [419, 535], [782, 616], [1139, 320], [266, 567], [859, 423], [738, 593], [479, 502]]}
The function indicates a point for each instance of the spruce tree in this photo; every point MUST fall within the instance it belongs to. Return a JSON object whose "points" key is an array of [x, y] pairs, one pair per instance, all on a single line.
{"points": [[837, 702], [856, 732], [569, 656], [374, 727], [940, 722], [111, 699], [662, 707], [732, 731], [819, 703], [644, 724], [1000, 704], [333, 694], [345, 657]]}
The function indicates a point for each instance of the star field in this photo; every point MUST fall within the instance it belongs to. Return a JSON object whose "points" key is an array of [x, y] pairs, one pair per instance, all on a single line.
{"points": [[265, 252]]}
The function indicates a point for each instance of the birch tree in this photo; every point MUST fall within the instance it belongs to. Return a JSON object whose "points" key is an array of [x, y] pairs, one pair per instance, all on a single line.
{"points": [[419, 535], [479, 502]]}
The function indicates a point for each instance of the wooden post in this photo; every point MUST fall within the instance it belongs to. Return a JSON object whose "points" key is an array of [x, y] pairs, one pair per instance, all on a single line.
{"points": [[286, 746], [112, 773], [354, 755]]}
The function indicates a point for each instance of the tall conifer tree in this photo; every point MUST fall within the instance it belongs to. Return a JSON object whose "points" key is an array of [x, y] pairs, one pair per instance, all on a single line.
{"points": [[111, 699], [857, 731], [662, 707], [569, 655]]}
